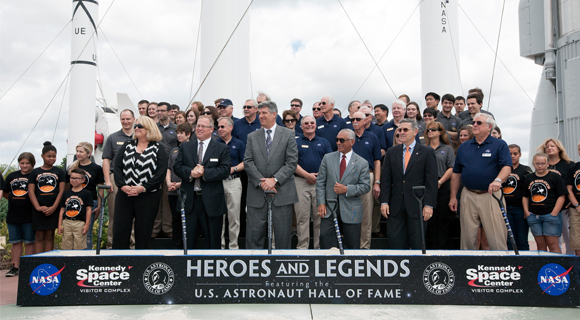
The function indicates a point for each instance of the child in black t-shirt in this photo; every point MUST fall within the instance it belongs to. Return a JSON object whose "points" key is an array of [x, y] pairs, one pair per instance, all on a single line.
{"points": [[543, 199], [75, 213], [19, 217], [573, 183]]}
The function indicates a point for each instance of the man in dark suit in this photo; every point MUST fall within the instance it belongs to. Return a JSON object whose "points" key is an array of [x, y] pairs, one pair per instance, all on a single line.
{"points": [[405, 166], [203, 164], [270, 161]]}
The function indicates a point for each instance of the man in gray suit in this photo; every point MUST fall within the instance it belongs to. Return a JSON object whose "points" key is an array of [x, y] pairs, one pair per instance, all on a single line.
{"points": [[343, 175], [270, 162]]}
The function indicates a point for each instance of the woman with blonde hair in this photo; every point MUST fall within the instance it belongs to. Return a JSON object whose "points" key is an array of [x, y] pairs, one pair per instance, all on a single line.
{"points": [[559, 162], [93, 177], [139, 170]]}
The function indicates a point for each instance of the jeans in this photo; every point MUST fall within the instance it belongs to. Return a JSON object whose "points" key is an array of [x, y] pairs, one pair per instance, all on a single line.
{"points": [[519, 226]]}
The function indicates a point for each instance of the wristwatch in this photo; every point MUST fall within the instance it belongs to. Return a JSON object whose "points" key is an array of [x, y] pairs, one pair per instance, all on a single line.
{"points": [[235, 169], [378, 182], [576, 205], [497, 179], [275, 179]]}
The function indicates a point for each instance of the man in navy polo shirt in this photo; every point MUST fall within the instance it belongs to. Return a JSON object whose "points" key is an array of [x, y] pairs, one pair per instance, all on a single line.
{"points": [[232, 184], [249, 123], [226, 109], [482, 164], [398, 112], [329, 124], [311, 150], [353, 107], [296, 105], [374, 129], [368, 147]]}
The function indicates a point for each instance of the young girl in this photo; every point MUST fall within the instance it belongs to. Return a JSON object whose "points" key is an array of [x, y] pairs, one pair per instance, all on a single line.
{"points": [[93, 176], [19, 218], [543, 199], [46, 185]]}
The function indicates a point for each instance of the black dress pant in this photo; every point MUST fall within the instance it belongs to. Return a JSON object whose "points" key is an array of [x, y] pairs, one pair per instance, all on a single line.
{"points": [[211, 227], [143, 208], [438, 230], [176, 228], [403, 231], [350, 234]]}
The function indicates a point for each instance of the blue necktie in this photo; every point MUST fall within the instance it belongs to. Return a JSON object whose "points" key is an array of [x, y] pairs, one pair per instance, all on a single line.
{"points": [[268, 141]]}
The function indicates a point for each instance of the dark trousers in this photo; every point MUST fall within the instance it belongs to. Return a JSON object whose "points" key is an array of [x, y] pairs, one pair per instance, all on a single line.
{"points": [[519, 226], [142, 208], [438, 226], [350, 234], [403, 231], [177, 230], [211, 227], [257, 226]]}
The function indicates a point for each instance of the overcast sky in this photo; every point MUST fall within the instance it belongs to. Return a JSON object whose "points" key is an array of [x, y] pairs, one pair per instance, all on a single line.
{"points": [[304, 49]]}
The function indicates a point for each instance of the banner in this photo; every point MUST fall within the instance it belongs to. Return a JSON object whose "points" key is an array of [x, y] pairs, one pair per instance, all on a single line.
{"points": [[528, 280]]}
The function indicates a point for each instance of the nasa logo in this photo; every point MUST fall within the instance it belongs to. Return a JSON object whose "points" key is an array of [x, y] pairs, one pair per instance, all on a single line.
{"points": [[158, 278], [554, 279], [335, 126], [366, 142], [45, 279], [438, 278]]}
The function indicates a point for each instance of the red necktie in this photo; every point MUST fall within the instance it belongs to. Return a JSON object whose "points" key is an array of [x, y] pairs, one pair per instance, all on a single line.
{"points": [[342, 165]]}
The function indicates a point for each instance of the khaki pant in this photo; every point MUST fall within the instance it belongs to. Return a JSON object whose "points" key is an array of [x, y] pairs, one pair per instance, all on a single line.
{"points": [[376, 215], [366, 225], [484, 209], [111, 205], [564, 240], [574, 229], [306, 208], [163, 221], [233, 195], [72, 236]]}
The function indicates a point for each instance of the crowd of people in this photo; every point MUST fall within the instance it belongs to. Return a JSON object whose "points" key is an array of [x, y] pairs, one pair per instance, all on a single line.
{"points": [[225, 168]]}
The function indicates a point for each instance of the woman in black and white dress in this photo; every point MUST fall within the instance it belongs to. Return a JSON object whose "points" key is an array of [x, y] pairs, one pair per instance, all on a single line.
{"points": [[139, 170]]}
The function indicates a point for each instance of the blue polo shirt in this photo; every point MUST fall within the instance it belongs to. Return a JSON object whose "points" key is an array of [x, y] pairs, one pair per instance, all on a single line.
{"points": [[330, 129], [349, 122], [278, 120], [368, 147], [242, 128], [479, 164], [298, 127], [237, 150], [389, 131], [378, 131], [311, 152]]}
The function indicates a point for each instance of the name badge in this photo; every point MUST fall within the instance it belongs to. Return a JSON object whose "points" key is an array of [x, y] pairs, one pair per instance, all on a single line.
{"points": [[304, 146], [486, 155], [348, 122], [120, 143], [390, 129], [321, 127], [213, 159]]}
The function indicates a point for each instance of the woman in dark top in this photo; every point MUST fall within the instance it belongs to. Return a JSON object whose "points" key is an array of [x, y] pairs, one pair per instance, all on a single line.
{"points": [[543, 199], [46, 185], [438, 227], [559, 162], [139, 170], [19, 217], [413, 112], [573, 184], [513, 189], [215, 115], [93, 177]]}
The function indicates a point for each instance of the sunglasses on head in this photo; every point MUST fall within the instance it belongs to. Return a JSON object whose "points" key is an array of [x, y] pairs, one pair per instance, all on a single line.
{"points": [[342, 140], [138, 126], [316, 109], [295, 105]]}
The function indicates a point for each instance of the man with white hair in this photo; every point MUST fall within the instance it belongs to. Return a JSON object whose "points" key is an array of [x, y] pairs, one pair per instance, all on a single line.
{"points": [[329, 124], [398, 112], [482, 164]]}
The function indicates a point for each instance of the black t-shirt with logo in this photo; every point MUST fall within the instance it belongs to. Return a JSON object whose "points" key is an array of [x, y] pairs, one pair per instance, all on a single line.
{"points": [[75, 204], [19, 205], [543, 192], [94, 176], [513, 187], [46, 183], [573, 179], [562, 167]]}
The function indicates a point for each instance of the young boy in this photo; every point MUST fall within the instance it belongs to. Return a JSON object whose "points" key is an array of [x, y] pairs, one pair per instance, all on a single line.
{"points": [[75, 213]]}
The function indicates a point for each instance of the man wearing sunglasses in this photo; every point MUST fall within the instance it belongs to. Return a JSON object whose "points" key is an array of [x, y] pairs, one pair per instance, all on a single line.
{"points": [[249, 123], [353, 107], [316, 113], [344, 176], [226, 109], [482, 164], [296, 105], [405, 166], [329, 124]]}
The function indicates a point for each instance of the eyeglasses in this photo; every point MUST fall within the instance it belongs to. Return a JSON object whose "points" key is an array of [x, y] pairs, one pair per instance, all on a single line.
{"points": [[316, 109], [433, 129], [368, 115], [357, 119], [199, 126], [308, 123], [222, 127], [289, 120], [323, 103], [341, 140], [248, 107], [207, 113], [75, 178], [404, 129], [479, 123], [138, 126], [295, 105]]}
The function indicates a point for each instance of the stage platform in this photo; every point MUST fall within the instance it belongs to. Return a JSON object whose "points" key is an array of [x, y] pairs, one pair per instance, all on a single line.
{"points": [[447, 277]]}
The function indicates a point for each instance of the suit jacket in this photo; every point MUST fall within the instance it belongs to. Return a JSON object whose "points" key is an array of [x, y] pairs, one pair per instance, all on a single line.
{"points": [[281, 164], [397, 187], [356, 179], [216, 162]]}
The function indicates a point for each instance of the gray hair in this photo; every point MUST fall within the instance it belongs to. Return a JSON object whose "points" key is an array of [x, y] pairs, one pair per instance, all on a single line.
{"points": [[351, 103], [304, 118], [230, 121], [253, 102], [271, 105], [413, 123], [368, 101], [488, 118], [211, 121], [260, 93], [349, 132], [363, 108], [330, 99], [401, 103]]}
